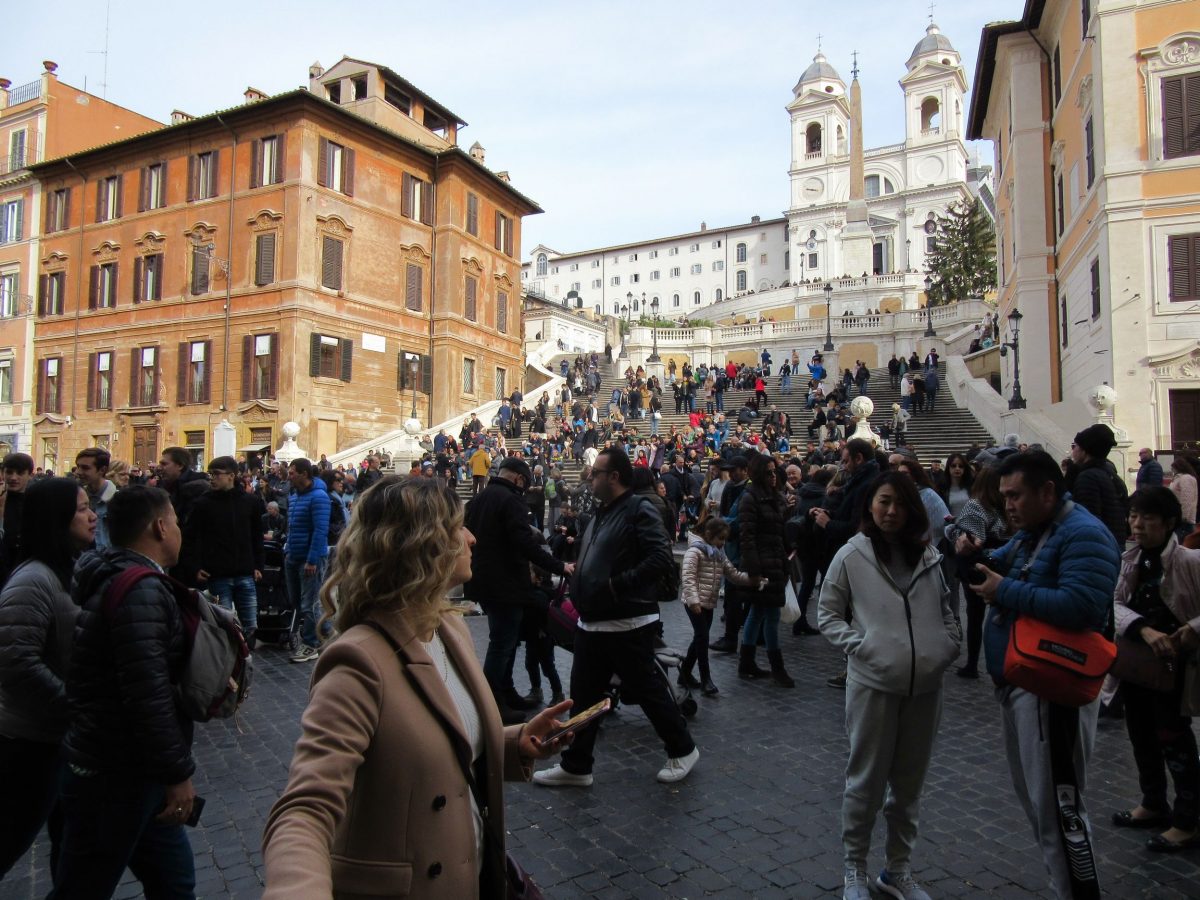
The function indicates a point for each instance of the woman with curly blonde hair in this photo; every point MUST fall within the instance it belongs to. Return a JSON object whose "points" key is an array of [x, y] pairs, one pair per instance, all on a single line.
{"points": [[378, 798]]}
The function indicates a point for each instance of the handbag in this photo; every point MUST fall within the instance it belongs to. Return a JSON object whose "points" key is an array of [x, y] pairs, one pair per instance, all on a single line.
{"points": [[1061, 665], [519, 885], [1137, 664], [790, 613]]}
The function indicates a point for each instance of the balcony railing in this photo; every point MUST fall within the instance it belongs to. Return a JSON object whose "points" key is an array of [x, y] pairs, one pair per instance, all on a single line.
{"points": [[25, 93]]}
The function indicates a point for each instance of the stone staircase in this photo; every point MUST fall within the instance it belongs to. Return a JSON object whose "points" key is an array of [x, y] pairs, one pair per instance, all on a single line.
{"points": [[931, 435]]}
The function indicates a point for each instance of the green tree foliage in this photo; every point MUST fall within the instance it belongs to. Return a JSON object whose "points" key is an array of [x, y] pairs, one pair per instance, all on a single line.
{"points": [[963, 261]]}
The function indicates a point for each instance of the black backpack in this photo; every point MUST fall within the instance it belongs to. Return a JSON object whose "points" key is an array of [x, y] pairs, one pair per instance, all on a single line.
{"points": [[337, 521]]}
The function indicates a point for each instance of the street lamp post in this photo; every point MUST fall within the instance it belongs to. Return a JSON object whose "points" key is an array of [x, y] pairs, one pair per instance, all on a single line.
{"points": [[929, 332], [624, 354], [654, 330], [1014, 326], [413, 366], [828, 320]]}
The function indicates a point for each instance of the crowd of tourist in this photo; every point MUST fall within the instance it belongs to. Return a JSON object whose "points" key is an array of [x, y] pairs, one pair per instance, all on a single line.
{"points": [[906, 569]]}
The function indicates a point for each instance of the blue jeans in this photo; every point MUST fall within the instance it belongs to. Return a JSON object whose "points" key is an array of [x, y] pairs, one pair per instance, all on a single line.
{"points": [[720, 398], [108, 825], [504, 634], [303, 590], [930, 397], [653, 425], [237, 592], [762, 621], [786, 384]]}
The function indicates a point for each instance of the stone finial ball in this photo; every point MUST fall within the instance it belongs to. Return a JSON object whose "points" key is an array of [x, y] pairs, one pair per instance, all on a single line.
{"points": [[861, 407], [291, 430], [1102, 398]]}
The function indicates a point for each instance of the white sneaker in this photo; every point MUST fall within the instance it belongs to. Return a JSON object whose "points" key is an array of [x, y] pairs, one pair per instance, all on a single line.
{"points": [[856, 885], [901, 886], [677, 768], [305, 653], [557, 776]]}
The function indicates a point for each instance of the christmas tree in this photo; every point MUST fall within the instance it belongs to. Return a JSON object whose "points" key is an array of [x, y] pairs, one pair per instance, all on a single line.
{"points": [[963, 261]]}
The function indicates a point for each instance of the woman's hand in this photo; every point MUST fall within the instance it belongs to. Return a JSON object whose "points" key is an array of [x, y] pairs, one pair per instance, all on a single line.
{"points": [[1158, 642], [531, 745]]}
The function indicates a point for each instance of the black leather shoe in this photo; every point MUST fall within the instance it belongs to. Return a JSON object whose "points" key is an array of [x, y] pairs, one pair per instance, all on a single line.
{"points": [[687, 680], [723, 645], [801, 627], [1125, 819], [1160, 844], [709, 689]]}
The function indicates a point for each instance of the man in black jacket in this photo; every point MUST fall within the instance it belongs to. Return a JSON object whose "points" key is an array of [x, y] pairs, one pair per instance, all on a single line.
{"points": [[623, 558], [127, 790], [1094, 484], [224, 542], [505, 544]]}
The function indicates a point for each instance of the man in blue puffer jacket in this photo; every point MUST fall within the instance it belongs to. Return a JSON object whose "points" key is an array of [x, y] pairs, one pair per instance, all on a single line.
{"points": [[306, 551], [1061, 568]]}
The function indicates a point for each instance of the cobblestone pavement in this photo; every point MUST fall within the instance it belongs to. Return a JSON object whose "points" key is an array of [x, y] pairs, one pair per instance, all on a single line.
{"points": [[758, 817]]}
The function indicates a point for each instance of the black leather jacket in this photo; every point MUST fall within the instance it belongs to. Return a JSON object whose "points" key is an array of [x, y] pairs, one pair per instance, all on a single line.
{"points": [[505, 543], [122, 676], [623, 558]]}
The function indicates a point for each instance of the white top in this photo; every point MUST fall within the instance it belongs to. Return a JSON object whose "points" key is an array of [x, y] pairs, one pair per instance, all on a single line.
{"points": [[468, 715], [612, 625]]}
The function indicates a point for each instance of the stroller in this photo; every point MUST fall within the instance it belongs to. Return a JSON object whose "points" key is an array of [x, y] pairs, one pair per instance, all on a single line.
{"points": [[562, 620], [276, 612]]}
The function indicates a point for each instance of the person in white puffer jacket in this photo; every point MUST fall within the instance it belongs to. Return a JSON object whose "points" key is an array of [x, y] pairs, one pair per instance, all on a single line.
{"points": [[885, 604], [704, 564]]}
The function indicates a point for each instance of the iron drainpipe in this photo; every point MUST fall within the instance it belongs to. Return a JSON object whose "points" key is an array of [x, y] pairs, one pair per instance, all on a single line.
{"points": [[1058, 363], [432, 281], [229, 271], [79, 296]]}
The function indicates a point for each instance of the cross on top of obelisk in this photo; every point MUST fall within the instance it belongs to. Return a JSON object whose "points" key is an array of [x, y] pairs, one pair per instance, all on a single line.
{"points": [[854, 69]]}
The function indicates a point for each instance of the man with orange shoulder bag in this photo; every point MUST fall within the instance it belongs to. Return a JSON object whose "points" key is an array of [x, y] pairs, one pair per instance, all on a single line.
{"points": [[1048, 639]]}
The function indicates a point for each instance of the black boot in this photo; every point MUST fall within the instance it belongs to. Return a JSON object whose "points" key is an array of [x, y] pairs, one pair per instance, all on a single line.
{"points": [[747, 667], [801, 627], [686, 679], [778, 673], [727, 644]]}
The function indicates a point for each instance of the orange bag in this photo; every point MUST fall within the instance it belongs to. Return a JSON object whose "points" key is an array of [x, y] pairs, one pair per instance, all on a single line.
{"points": [[1059, 665]]}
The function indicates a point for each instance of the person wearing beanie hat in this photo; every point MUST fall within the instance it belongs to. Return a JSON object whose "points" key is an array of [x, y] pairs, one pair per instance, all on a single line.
{"points": [[1095, 485]]}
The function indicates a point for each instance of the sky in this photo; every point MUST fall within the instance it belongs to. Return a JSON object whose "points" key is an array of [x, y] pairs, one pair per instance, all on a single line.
{"points": [[623, 120]]}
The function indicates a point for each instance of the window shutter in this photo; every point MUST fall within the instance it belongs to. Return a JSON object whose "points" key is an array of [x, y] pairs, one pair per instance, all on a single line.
{"points": [[135, 367], [43, 292], [139, 266], [91, 389], [161, 200], [193, 189], [143, 188], [472, 215], [181, 396], [1174, 136], [469, 298], [264, 268], [51, 212], [426, 374], [66, 209], [116, 282], [209, 368], [214, 173], [100, 199], [348, 171], [502, 312], [331, 263], [120, 196], [247, 366], [20, 235], [41, 387], [323, 162], [427, 204], [401, 372], [406, 196], [412, 287], [199, 270], [94, 288], [256, 154], [1191, 90], [280, 150], [314, 355], [499, 243], [1182, 266], [273, 392], [508, 238], [347, 358]]}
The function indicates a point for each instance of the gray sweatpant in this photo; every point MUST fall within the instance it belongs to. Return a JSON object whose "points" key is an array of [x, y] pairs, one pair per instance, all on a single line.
{"points": [[1034, 732], [891, 740]]}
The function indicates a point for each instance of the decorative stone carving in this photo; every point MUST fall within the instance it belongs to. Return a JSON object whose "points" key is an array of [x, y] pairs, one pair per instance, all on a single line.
{"points": [[149, 243], [201, 233], [1056, 154], [106, 252], [56, 260], [1102, 399], [265, 220], [414, 253], [1084, 98], [1182, 52], [1190, 368], [335, 226]]}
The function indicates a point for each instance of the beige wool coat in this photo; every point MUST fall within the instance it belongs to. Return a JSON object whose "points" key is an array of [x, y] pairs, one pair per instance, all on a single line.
{"points": [[376, 804]]}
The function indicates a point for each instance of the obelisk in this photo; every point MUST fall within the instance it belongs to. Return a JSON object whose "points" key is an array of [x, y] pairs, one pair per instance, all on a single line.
{"points": [[857, 239]]}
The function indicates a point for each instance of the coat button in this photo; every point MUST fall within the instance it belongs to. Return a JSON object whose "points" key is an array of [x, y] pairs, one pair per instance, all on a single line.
{"points": [[439, 802], [435, 870]]}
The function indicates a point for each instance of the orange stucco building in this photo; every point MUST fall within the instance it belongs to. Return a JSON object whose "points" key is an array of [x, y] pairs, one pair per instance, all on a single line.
{"points": [[40, 119], [287, 259]]}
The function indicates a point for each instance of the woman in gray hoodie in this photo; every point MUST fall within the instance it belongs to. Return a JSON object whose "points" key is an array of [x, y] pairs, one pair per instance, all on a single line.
{"points": [[885, 604]]}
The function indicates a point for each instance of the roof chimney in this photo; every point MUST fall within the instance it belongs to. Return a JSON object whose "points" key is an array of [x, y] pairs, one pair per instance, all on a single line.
{"points": [[178, 115], [50, 65], [253, 95], [477, 152], [754, 220], [316, 70], [704, 226], [503, 176]]}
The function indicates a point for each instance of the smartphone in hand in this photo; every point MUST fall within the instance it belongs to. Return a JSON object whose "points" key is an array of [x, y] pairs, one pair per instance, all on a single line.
{"points": [[582, 720], [197, 809]]}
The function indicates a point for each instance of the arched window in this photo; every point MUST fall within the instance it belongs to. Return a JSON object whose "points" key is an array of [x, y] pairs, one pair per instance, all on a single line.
{"points": [[674, 299], [696, 298], [741, 279], [542, 264], [597, 309], [931, 114], [812, 138], [616, 308], [888, 187], [741, 253], [841, 141], [719, 296], [872, 186], [635, 304]]}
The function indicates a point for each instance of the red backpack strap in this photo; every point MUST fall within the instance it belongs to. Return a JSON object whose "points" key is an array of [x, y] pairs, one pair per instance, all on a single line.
{"points": [[119, 587]]}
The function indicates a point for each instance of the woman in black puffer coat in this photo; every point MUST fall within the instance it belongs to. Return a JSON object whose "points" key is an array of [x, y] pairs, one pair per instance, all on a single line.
{"points": [[761, 514]]}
